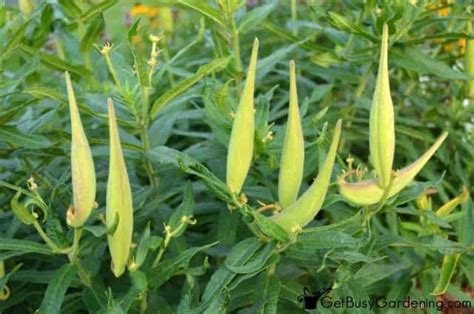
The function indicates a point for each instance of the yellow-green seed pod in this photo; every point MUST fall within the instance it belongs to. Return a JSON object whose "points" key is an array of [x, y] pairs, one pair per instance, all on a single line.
{"points": [[382, 127], [301, 212], [448, 207], [240, 153], [82, 165], [27, 6], [292, 158], [119, 212], [5, 293], [368, 192], [469, 62], [450, 262]]}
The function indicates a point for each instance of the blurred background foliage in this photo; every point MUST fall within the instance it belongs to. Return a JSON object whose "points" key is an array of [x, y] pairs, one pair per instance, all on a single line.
{"points": [[185, 102]]}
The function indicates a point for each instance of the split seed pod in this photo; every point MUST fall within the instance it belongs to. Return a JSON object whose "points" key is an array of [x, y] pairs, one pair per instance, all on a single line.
{"points": [[382, 127], [303, 210], [119, 212], [292, 158], [368, 192], [240, 153], [82, 165]]}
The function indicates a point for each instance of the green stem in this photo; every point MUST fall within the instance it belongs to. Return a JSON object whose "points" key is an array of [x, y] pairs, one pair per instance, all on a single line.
{"points": [[166, 54], [75, 245], [236, 48], [294, 17], [56, 249], [146, 148], [112, 71], [143, 304]]}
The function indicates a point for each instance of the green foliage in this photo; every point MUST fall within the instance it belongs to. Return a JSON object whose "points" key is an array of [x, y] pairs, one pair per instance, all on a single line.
{"points": [[197, 247]]}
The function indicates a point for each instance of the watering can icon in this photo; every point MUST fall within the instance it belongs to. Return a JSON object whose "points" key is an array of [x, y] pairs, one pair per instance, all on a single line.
{"points": [[310, 300]]}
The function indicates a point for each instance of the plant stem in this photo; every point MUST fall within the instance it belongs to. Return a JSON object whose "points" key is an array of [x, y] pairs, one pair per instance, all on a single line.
{"points": [[146, 148], [56, 249], [112, 71], [75, 244], [236, 48], [294, 17]]}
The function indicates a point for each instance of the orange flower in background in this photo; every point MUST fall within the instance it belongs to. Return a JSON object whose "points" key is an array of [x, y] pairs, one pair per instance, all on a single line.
{"points": [[155, 17]]}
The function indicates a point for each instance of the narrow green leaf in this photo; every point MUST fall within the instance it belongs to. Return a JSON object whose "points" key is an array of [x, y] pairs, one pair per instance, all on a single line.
{"points": [[204, 9], [56, 290], [414, 60], [31, 141], [271, 228], [253, 18], [24, 246], [184, 85], [97, 9], [256, 263], [166, 269]]}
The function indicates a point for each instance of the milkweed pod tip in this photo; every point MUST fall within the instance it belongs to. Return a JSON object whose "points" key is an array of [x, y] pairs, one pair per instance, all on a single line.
{"points": [[119, 201], [241, 143], [82, 166], [292, 158]]}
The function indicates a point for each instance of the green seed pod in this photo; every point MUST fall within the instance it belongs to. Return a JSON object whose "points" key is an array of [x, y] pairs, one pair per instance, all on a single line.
{"points": [[292, 158], [82, 165], [119, 212], [301, 212], [239, 156], [368, 192], [469, 63], [448, 268], [382, 127]]}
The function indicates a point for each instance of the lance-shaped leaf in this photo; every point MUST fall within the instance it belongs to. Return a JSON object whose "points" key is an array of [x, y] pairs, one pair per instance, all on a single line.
{"points": [[119, 201], [382, 127], [368, 192], [82, 165], [241, 142], [292, 158], [303, 210]]}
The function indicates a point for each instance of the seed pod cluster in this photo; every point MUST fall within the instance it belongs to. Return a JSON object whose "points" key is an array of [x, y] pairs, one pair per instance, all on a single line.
{"points": [[296, 212], [382, 141], [303, 210]]}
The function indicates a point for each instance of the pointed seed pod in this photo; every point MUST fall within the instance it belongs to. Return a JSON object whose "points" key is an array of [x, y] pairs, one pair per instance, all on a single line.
{"points": [[119, 201], [469, 62], [448, 207], [239, 156], [303, 210], [82, 165], [382, 127], [368, 192], [448, 268], [292, 158]]}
